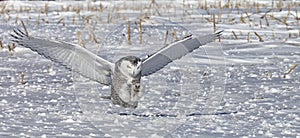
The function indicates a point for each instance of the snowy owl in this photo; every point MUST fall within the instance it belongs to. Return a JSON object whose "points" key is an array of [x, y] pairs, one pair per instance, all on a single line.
{"points": [[124, 76]]}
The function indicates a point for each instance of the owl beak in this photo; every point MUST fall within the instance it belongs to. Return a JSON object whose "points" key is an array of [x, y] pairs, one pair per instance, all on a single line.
{"points": [[136, 72]]}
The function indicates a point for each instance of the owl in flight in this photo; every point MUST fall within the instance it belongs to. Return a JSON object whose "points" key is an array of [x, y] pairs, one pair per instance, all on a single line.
{"points": [[124, 76]]}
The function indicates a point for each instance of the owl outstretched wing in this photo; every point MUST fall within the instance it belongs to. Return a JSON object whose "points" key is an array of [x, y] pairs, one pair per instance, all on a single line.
{"points": [[175, 51], [73, 57]]}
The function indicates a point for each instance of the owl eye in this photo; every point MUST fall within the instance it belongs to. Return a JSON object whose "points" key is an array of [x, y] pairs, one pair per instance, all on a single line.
{"points": [[135, 62], [128, 67]]}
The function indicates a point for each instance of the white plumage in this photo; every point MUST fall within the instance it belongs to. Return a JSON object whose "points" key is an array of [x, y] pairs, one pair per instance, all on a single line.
{"points": [[125, 75]]}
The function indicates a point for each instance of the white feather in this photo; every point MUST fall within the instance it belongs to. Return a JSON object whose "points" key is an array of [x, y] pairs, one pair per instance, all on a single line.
{"points": [[72, 56], [175, 51]]}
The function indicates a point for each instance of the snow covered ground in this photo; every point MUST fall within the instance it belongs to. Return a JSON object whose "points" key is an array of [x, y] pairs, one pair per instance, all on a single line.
{"points": [[246, 85]]}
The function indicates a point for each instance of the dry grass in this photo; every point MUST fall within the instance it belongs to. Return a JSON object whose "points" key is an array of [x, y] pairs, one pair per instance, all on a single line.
{"points": [[166, 37], [128, 33], [279, 20], [248, 38], [1, 45], [154, 5], [3, 7], [259, 37], [290, 70], [61, 20], [11, 48], [242, 19], [81, 42], [22, 78], [214, 22], [235, 36], [267, 21], [38, 19], [249, 19], [174, 35], [24, 27], [141, 31], [93, 36]]}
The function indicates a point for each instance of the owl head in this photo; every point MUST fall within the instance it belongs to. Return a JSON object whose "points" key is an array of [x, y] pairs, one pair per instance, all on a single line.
{"points": [[130, 66]]}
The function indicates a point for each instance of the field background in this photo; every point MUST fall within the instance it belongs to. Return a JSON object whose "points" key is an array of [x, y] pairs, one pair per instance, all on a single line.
{"points": [[245, 84]]}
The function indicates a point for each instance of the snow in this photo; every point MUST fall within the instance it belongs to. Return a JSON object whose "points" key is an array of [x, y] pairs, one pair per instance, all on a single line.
{"points": [[233, 88]]}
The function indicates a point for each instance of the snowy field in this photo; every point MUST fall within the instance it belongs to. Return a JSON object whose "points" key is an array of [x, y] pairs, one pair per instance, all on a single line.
{"points": [[246, 84]]}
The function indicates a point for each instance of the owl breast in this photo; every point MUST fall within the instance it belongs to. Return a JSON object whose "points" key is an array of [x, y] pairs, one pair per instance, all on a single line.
{"points": [[126, 93], [125, 88]]}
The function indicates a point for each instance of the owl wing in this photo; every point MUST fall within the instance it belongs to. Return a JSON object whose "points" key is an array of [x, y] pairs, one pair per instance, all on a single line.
{"points": [[73, 57], [175, 51]]}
